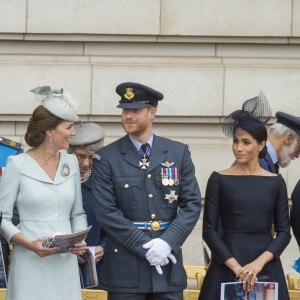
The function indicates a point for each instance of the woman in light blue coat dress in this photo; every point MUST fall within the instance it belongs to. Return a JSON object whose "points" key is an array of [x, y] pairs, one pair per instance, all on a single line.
{"points": [[44, 184]]}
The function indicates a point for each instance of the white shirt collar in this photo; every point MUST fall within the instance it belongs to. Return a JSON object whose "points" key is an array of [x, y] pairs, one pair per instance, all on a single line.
{"points": [[138, 145]]}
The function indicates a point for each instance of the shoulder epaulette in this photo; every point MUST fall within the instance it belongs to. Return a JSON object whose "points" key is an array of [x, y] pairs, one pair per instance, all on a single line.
{"points": [[10, 143]]}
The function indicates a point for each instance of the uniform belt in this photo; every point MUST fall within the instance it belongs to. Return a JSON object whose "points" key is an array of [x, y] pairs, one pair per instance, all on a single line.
{"points": [[152, 225]]}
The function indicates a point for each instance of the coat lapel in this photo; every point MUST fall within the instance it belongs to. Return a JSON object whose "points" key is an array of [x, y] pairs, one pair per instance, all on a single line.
{"points": [[33, 170], [131, 155], [269, 159], [158, 154]]}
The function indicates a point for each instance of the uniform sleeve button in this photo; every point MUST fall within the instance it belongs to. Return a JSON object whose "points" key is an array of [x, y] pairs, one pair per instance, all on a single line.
{"points": [[116, 250], [150, 196], [149, 176], [126, 186]]}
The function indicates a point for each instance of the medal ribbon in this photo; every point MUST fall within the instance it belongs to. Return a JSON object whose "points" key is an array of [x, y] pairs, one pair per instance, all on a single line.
{"points": [[176, 173], [146, 153], [266, 163], [165, 173], [170, 173]]}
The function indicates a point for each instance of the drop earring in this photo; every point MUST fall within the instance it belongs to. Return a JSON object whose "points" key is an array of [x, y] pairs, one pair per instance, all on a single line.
{"points": [[50, 139]]}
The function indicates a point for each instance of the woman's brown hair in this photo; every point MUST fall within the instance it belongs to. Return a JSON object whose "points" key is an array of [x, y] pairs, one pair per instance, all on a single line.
{"points": [[40, 121]]}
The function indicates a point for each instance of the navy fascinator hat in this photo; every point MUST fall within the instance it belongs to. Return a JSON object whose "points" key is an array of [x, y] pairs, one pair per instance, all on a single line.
{"points": [[255, 112]]}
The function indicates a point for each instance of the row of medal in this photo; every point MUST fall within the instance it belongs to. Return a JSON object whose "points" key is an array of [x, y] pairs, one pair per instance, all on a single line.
{"points": [[169, 176]]}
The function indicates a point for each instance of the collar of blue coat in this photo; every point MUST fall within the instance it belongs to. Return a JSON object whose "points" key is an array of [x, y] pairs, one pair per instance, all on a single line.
{"points": [[158, 154], [32, 169], [138, 145]]}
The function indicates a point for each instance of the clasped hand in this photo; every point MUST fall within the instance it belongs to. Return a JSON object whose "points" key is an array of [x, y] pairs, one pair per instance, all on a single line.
{"points": [[248, 275], [159, 253]]}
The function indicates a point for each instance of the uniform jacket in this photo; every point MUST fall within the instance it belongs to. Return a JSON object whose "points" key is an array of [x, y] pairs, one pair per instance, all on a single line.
{"points": [[262, 163], [295, 212], [96, 236], [124, 193]]}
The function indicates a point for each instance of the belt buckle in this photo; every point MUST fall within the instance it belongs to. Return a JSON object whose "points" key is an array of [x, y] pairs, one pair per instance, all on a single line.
{"points": [[155, 225]]}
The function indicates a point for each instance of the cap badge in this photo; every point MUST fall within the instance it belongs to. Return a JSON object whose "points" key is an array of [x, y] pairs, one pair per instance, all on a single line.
{"points": [[65, 170], [129, 93], [171, 197]]}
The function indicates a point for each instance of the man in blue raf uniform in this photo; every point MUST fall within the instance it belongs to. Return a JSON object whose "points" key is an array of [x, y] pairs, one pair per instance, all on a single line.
{"points": [[147, 199], [292, 124], [7, 148], [283, 144]]}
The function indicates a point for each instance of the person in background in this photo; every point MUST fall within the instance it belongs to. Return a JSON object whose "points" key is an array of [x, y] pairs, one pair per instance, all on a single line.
{"points": [[89, 138], [283, 143], [44, 184], [147, 199], [8, 147], [246, 198], [295, 212], [283, 146]]}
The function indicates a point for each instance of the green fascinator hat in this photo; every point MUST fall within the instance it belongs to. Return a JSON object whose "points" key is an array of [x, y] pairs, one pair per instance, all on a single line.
{"points": [[58, 102]]}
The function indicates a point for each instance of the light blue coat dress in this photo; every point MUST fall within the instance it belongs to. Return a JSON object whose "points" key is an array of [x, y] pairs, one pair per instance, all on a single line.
{"points": [[45, 207]]}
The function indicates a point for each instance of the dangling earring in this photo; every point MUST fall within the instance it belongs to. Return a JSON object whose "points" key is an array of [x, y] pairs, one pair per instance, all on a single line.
{"points": [[50, 139]]}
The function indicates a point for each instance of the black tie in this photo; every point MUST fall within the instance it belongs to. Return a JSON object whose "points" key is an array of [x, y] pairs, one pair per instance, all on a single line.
{"points": [[144, 148]]}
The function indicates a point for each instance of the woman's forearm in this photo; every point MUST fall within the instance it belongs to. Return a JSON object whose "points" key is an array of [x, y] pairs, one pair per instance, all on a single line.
{"points": [[264, 258], [34, 246], [19, 239], [233, 265]]}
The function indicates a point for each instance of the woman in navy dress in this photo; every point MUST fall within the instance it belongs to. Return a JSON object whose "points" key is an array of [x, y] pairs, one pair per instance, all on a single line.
{"points": [[246, 199]]}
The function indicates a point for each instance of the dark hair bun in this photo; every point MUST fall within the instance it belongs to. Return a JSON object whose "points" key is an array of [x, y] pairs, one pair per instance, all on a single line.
{"points": [[40, 121]]}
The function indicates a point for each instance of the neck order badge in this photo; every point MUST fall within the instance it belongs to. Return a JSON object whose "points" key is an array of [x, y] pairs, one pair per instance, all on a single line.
{"points": [[144, 151]]}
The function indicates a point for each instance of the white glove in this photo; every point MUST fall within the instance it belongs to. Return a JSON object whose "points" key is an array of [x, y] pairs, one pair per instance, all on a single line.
{"points": [[163, 263], [158, 252], [158, 269]]}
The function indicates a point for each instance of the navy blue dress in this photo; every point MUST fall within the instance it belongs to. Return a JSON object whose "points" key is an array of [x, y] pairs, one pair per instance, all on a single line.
{"points": [[246, 206], [97, 236]]}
